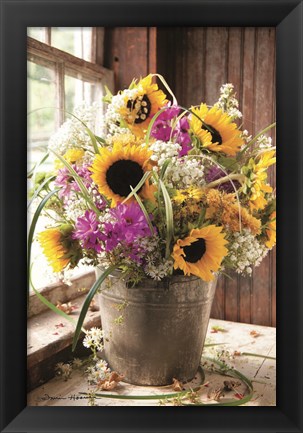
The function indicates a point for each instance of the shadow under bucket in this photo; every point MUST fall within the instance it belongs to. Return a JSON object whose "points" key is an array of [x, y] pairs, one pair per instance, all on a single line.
{"points": [[161, 333]]}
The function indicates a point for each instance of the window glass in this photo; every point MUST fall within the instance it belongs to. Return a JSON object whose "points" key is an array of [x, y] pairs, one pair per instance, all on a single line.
{"points": [[73, 40], [77, 91], [37, 33], [41, 100]]}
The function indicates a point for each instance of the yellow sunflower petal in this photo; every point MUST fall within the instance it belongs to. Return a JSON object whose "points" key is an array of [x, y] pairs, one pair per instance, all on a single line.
{"points": [[220, 134], [212, 252]]}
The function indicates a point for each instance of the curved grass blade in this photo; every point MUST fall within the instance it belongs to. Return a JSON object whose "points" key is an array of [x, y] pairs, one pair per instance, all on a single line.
{"points": [[37, 191], [33, 226], [175, 102], [143, 397], [37, 165], [164, 168], [139, 201], [183, 394], [272, 125], [138, 186], [258, 356], [169, 218], [50, 305], [87, 302]]}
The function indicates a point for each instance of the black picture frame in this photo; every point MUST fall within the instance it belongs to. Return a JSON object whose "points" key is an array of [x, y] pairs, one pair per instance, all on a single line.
{"points": [[16, 16]]}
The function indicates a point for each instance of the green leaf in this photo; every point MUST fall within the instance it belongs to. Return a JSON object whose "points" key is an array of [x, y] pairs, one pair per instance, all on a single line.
{"points": [[108, 95], [228, 163], [87, 302], [169, 218]]}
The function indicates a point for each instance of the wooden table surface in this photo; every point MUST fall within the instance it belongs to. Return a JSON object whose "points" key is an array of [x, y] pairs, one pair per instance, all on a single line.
{"points": [[250, 349]]}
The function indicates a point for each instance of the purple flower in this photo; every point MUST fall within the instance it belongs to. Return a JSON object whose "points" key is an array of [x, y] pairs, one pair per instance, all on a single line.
{"points": [[68, 185], [88, 231], [127, 226], [182, 136], [215, 173], [163, 129]]}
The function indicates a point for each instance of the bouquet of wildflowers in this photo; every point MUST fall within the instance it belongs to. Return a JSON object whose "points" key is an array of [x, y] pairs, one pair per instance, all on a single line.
{"points": [[165, 190]]}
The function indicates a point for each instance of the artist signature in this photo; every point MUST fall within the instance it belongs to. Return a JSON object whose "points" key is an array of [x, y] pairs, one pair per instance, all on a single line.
{"points": [[71, 397]]}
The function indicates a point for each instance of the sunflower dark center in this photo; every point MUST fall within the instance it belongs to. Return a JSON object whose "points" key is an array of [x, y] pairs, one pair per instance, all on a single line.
{"points": [[123, 174], [215, 135], [195, 251], [142, 105]]}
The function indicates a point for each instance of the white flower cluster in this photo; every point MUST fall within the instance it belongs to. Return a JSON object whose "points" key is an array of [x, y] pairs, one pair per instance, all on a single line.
{"points": [[245, 252], [185, 172], [112, 116], [181, 172], [246, 137], [264, 142], [157, 267], [164, 150], [72, 133], [94, 339], [98, 372], [75, 207], [227, 101]]}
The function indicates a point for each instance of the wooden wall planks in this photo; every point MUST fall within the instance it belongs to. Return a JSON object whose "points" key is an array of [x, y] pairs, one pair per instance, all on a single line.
{"points": [[196, 61]]}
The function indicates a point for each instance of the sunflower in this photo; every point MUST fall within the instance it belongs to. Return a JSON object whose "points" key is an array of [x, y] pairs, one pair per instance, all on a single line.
{"points": [[217, 132], [201, 253], [55, 246], [118, 169], [271, 231], [139, 108]]}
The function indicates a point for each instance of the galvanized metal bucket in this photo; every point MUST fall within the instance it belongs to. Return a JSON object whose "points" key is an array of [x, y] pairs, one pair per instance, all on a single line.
{"points": [[155, 331]]}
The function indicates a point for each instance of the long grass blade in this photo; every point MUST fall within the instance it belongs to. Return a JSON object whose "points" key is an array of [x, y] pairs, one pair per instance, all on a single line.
{"points": [[138, 186], [37, 165], [169, 218], [87, 302], [50, 305], [139, 201], [33, 226], [38, 190]]}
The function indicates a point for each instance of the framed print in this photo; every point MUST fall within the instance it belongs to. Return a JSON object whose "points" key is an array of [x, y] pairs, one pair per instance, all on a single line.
{"points": [[264, 39]]}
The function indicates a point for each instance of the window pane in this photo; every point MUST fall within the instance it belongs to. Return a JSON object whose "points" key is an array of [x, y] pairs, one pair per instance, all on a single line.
{"points": [[74, 40], [41, 102], [37, 33], [77, 91]]}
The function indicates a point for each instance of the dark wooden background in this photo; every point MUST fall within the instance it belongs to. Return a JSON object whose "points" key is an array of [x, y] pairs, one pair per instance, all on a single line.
{"points": [[196, 61]]}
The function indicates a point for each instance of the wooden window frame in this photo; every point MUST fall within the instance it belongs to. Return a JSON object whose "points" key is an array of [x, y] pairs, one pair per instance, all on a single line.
{"points": [[63, 63]]}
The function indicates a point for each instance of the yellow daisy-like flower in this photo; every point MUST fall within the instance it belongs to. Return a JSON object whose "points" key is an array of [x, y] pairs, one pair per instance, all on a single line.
{"points": [[53, 249], [201, 253], [218, 133], [138, 112], [191, 193], [257, 176], [116, 170], [271, 231], [73, 155]]}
